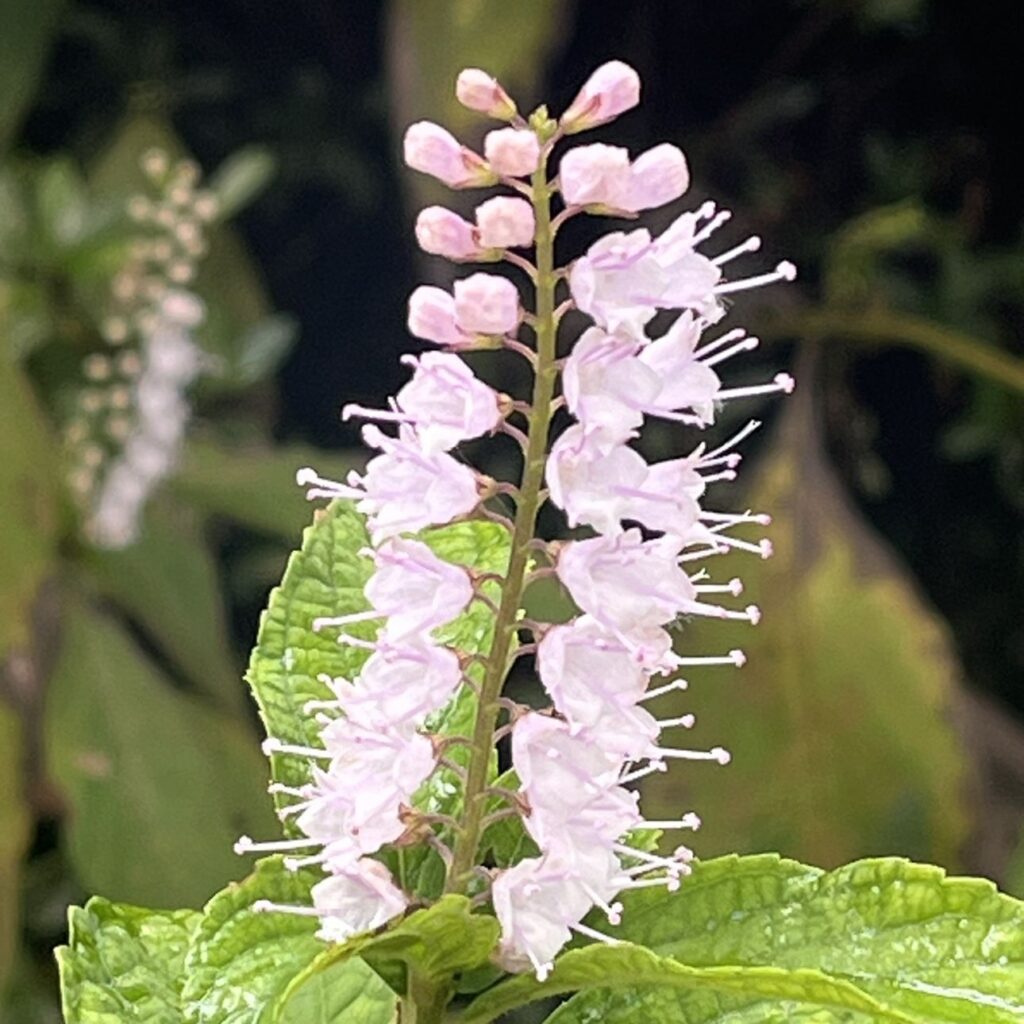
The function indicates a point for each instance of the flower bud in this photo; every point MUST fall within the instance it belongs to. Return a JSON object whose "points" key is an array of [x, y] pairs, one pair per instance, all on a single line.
{"points": [[611, 90], [486, 304], [657, 177], [505, 222], [429, 148], [480, 91], [513, 152], [432, 316], [596, 174], [444, 233]]}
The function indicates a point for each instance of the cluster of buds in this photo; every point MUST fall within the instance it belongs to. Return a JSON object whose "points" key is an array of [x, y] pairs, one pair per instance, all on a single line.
{"points": [[633, 577], [131, 413]]}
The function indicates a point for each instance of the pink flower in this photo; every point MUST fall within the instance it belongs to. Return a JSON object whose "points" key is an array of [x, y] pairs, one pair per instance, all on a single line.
{"points": [[536, 904], [512, 152], [657, 177], [398, 685], [412, 588], [444, 402], [486, 304], [429, 148], [444, 233], [505, 222], [596, 174], [606, 386], [403, 489], [553, 762], [600, 175], [584, 667], [357, 900], [625, 582], [481, 92], [610, 90], [432, 317], [601, 485]]}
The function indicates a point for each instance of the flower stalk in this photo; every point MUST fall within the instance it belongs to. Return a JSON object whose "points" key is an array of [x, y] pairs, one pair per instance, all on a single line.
{"points": [[539, 420]]}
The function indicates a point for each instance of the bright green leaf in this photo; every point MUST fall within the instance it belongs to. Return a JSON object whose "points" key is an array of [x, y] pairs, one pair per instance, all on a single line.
{"points": [[239, 961], [123, 964], [168, 583], [935, 948], [350, 992], [326, 577], [438, 942], [29, 498], [158, 786], [628, 966], [27, 29], [14, 836], [840, 722]]}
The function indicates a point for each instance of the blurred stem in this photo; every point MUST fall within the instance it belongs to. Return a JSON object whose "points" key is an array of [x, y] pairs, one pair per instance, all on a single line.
{"points": [[475, 797], [892, 328], [425, 1001]]}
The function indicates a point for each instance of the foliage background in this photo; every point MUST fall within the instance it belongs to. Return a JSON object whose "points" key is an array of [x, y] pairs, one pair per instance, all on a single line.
{"points": [[872, 141]]}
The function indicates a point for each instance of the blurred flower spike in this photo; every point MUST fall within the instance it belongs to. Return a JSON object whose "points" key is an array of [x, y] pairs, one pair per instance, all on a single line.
{"points": [[642, 567], [125, 435]]}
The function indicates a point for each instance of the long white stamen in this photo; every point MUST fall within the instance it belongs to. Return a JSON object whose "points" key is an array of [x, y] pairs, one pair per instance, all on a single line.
{"points": [[785, 271], [746, 345], [686, 721], [719, 754], [246, 844], [275, 746], [780, 382], [593, 933], [752, 244], [676, 684], [689, 821]]}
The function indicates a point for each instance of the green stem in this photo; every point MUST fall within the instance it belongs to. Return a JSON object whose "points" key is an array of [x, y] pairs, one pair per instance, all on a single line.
{"points": [[475, 795], [885, 327]]}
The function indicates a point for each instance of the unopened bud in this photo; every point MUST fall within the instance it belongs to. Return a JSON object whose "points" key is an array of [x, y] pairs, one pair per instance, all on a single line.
{"points": [[505, 222], [480, 91], [611, 90], [442, 232], [429, 148], [513, 152], [486, 304]]}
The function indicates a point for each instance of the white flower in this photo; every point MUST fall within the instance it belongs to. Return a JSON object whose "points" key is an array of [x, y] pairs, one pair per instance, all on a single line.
{"points": [[505, 222], [486, 304]]}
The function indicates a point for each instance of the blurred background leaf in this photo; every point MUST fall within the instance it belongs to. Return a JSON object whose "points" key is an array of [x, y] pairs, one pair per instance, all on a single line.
{"points": [[848, 695], [27, 32], [158, 786], [29, 499]]}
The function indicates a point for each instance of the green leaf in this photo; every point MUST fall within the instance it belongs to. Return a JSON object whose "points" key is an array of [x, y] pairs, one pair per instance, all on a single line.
{"points": [[63, 204], [158, 786], [345, 993], [839, 723], [326, 577], [27, 29], [168, 583], [14, 836], [438, 942], [241, 178], [239, 961], [255, 485], [628, 966], [29, 498], [937, 949], [123, 964]]}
